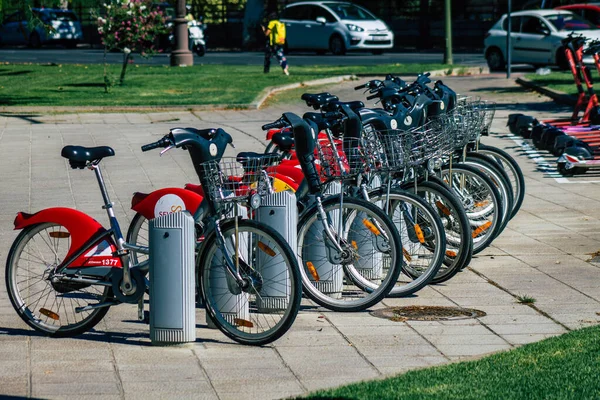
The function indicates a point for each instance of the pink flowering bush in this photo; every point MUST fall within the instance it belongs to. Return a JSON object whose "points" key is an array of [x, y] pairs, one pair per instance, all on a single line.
{"points": [[130, 26]]}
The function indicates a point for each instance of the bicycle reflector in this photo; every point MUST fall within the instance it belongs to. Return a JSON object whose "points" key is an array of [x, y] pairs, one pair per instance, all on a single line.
{"points": [[406, 255], [269, 251], [313, 271], [481, 228], [419, 233], [49, 314], [370, 226], [445, 210], [59, 235], [243, 322]]}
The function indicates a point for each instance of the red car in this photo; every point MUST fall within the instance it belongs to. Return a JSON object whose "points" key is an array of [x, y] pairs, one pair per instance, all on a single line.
{"points": [[590, 11]]}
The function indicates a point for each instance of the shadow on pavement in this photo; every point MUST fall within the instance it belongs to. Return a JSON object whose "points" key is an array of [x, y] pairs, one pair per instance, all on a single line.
{"points": [[131, 338], [26, 117]]}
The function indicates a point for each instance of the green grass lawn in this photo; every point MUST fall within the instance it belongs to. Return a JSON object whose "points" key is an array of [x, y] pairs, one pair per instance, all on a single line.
{"points": [[561, 81], [565, 367], [82, 85]]}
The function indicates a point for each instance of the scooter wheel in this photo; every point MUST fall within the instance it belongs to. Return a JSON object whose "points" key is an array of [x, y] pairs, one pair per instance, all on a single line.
{"points": [[200, 51], [561, 167]]}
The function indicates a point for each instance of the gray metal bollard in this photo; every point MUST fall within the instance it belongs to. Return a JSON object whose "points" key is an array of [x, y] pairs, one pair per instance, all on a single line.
{"points": [[230, 303], [331, 277], [172, 282], [280, 212]]}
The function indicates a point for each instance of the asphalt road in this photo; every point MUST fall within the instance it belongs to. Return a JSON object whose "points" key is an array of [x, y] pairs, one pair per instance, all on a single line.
{"points": [[90, 56]]}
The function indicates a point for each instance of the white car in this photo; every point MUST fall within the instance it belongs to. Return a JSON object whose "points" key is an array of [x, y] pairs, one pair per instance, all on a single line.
{"points": [[334, 26], [535, 38]]}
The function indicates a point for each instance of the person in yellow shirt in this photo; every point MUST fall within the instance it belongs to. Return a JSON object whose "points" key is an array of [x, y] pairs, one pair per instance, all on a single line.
{"points": [[275, 34]]}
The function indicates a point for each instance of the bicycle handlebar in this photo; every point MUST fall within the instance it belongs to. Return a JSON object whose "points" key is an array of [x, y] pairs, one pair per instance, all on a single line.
{"points": [[164, 142], [280, 123]]}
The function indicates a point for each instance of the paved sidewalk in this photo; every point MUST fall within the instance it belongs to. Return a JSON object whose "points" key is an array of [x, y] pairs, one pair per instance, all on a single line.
{"points": [[544, 253]]}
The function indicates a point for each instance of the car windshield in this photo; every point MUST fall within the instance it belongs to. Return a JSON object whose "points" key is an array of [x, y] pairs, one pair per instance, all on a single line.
{"points": [[350, 12], [569, 22]]}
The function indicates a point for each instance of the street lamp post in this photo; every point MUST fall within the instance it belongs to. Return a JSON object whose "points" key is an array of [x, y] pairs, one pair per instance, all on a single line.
{"points": [[448, 13], [181, 56]]}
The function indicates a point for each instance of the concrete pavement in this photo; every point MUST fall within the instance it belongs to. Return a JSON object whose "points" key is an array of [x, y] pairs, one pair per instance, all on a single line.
{"points": [[544, 253]]}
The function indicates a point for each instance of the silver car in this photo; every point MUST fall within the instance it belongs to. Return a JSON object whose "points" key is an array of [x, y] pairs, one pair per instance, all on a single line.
{"points": [[62, 26], [334, 26]]}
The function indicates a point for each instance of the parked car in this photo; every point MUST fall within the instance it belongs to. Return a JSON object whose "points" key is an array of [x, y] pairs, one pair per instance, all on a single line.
{"points": [[589, 11], [535, 38], [57, 26], [334, 26]]}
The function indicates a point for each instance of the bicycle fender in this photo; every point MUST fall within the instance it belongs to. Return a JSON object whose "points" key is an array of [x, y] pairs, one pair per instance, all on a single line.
{"points": [[81, 228], [165, 201]]}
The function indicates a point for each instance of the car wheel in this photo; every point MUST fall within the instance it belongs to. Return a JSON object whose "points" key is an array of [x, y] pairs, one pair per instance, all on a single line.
{"points": [[495, 59], [377, 52], [337, 45], [34, 40], [561, 59]]}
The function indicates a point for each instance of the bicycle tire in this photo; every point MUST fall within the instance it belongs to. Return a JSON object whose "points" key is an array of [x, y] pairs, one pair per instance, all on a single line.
{"points": [[423, 252], [238, 322], [137, 234], [459, 242], [512, 169], [499, 180], [49, 320], [482, 202], [342, 286]]}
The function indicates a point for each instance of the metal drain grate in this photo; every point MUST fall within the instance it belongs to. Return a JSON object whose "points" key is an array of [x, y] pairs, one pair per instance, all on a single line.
{"points": [[427, 313]]}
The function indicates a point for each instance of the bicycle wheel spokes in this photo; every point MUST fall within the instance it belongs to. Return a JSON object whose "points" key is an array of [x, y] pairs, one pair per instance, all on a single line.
{"points": [[138, 234], [42, 297], [481, 204], [365, 269], [262, 310]]}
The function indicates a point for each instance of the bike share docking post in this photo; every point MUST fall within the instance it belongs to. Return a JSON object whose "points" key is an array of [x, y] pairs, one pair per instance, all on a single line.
{"points": [[172, 242], [231, 301], [279, 211], [324, 275], [362, 239]]}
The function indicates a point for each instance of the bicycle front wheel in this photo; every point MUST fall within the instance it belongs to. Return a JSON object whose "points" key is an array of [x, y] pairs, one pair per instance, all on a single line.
{"points": [[422, 235], [512, 169], [45, 300], [481, 200], [263, 309], [360, 266]]}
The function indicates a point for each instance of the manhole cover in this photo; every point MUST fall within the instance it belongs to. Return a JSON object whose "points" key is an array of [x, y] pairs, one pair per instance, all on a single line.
{"points": [[427, 313]]}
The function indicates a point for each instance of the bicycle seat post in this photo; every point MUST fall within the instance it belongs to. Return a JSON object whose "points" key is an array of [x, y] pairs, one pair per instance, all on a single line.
{"points": [[127, 287]]}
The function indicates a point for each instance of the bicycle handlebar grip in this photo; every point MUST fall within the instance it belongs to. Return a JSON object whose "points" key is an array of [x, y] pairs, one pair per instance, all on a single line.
{"points": [[364, 85], [373, 96], [164, 142], [274, 125]]}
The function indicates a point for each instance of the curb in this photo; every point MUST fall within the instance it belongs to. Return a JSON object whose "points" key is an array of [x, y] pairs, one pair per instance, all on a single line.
{"points": [[268, 92], [555, 95], [460, 71], [111, 109]]}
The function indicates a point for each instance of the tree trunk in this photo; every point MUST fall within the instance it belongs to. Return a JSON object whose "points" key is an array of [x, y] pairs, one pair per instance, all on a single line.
{"points": [[124, 69]]}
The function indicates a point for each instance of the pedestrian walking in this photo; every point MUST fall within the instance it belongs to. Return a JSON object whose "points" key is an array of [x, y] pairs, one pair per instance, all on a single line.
{"points": [[275, 34]]}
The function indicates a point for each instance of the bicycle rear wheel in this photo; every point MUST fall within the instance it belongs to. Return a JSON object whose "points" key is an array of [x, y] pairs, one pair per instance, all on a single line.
{"points": [[44, 300], [370, 260], [265, 309]]}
